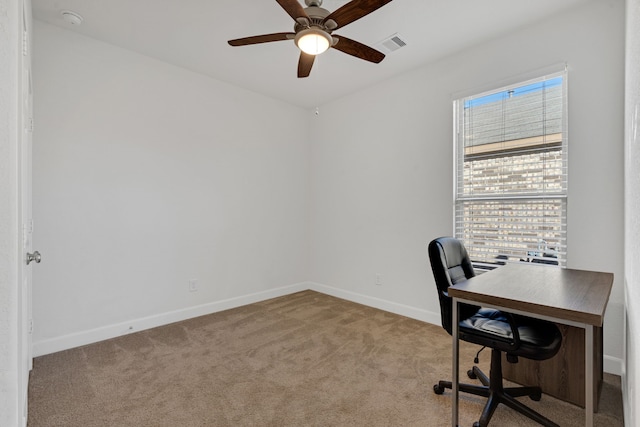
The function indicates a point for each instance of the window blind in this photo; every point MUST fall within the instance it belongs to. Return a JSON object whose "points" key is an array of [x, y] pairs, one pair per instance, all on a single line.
{"points": [[511, 173]]}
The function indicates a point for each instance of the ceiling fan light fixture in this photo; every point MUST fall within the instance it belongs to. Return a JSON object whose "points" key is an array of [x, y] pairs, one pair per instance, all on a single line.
{"points": [[313, 41]]}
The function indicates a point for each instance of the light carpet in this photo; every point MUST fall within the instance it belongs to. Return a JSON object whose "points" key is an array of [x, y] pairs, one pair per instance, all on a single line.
{"points": [[305, 359]]}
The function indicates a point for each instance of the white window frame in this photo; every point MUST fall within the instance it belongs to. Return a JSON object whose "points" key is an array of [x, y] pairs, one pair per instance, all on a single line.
{"points": [[540, 253]]}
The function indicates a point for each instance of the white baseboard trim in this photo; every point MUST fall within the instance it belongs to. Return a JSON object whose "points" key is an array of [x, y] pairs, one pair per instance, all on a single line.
{"points": [[78, 339], [379, 303], [611, 364]]}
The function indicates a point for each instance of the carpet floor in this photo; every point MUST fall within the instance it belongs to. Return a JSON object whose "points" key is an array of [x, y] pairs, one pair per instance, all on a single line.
{"points": [[305, 359]]}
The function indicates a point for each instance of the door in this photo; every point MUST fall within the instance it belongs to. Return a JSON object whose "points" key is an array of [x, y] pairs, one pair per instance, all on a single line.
{"points": [[25, 362]]}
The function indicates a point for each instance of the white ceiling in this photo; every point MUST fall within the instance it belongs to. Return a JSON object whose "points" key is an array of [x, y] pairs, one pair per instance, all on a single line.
{"points": [[193, 34]]}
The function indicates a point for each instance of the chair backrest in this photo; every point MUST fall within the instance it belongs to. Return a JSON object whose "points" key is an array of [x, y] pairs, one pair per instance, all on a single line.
{"points": [[450, 264]]}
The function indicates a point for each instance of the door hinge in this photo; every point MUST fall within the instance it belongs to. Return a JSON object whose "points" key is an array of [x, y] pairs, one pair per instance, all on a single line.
{"points": [[25, 43], [27, 231], [30, 326], [25, 236]]}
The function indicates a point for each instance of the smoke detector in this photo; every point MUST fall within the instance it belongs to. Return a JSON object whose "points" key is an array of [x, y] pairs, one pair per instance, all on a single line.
{"points": [[71, 17]]}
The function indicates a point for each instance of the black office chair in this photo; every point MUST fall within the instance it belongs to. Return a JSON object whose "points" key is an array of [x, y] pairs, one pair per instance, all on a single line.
{"points": [[502, 332]]}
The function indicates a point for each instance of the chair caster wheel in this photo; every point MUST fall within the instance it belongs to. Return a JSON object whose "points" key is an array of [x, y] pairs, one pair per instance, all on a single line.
{"points": [[471, 374], [437, 389], [476, 424], [535, 397]]}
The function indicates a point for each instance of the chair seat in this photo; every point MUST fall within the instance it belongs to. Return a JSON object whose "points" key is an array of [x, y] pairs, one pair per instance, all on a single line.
{"points": [[539, 339]]}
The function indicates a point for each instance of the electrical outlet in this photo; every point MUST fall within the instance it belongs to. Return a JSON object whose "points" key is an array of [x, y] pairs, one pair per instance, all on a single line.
{"points": [[193, 285], [378, 279]]}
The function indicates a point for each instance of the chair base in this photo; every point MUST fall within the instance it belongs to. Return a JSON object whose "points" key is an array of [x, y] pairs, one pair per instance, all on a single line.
{"points": [[493, 389]]}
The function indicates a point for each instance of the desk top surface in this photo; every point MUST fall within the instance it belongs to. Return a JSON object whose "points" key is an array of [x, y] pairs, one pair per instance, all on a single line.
{"points": [[567, 294]]}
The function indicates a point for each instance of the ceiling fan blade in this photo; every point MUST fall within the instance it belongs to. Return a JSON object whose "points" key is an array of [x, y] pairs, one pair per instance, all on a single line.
{"points": [[304, 64], [354, 10], [357, 49], [265, 38], [294, 9]]}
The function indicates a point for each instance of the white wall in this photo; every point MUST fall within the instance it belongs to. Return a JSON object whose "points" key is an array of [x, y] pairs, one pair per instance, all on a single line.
{"points": [[631, 377], [147, 176], [382, 182]]}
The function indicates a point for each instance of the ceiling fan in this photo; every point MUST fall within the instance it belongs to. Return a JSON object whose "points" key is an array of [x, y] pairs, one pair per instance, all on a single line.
{"points": [[312, 32]]}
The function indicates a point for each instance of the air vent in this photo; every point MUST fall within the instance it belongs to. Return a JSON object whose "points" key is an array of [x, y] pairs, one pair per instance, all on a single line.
{"points": [[391, 43]]}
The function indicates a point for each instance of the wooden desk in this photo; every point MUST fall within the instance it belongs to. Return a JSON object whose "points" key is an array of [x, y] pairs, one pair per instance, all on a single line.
{"points": [[571, 297], [562, 376]]}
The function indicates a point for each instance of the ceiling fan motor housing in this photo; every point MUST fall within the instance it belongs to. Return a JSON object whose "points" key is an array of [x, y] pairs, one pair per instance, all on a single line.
{"points": [[316, 16], [316, 19]]}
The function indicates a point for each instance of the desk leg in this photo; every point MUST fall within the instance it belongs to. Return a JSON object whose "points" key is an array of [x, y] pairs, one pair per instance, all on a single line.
{"points": [[455, 362], [588, 375]]}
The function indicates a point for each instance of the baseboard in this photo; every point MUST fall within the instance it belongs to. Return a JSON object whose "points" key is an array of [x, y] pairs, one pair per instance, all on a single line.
{"points": [[611, 365], [66, 342], [379, 303]]}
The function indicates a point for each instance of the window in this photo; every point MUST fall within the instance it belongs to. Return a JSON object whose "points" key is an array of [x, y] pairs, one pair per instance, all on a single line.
{"points": [[511, 173]]}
